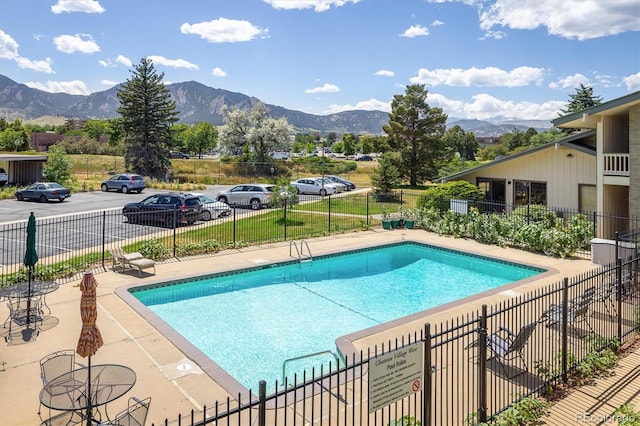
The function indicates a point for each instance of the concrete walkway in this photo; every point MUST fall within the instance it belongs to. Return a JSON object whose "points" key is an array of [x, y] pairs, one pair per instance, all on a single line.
{"points": [[176, 382]]}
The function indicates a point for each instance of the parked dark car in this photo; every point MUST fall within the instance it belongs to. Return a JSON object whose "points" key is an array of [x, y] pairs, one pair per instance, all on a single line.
{"points": [[364, 158], [124, 182], [178, 154], [350, 185], [4, 177], [170, 209], [43, 192]]}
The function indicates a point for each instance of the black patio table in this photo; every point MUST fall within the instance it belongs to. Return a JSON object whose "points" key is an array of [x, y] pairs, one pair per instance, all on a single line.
{"points": [[29, 291], [69, 391], [21, 290]]}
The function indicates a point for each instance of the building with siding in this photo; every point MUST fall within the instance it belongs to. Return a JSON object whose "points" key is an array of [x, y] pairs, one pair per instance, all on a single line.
{"points": [[594, 169]]}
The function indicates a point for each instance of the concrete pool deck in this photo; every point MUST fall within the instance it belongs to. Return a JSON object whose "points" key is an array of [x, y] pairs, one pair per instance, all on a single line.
{"points": [[173, 378]]}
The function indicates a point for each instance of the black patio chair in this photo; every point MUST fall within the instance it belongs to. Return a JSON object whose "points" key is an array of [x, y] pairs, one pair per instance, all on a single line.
{"points": [[506, 346], [134, 415], [577, 312], [52, 366]]}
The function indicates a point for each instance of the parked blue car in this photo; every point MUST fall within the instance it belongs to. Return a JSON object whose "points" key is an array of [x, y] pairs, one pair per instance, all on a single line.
{"points": [[43, 192]]}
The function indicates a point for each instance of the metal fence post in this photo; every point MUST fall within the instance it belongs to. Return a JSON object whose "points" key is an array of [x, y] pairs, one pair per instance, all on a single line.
{"points": [[565, 329], [482, 366], [619, 293], [262, 407], [284, 216], [426, 392], [329, 211], [367, 203], [104, 233], [175, 233], [234, 226]]}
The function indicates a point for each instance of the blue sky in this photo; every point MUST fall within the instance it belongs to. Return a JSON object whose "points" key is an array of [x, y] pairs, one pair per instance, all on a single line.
{"points": [[477, 58]]}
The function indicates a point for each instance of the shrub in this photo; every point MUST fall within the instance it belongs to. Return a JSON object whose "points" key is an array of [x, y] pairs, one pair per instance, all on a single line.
{"points": [[153, 249], [432, 197]]}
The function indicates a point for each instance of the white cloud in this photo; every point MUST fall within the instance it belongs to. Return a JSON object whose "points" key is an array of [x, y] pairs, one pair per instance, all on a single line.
{"points": [[124, 61], [437, 23], [572, 19], [9, 50], [368, 105], [632, 82], [86, 6], [482, 107], [385, 73], [75, 87], [8, 47], [173, 63], [569, 82], [415, 31], [480, 77], [316, 5], [496, 35], [82, 43], [218, 72], [326, 88], [485, 106], [119, 60], [224, 30], [109, 83], [40, 66]]}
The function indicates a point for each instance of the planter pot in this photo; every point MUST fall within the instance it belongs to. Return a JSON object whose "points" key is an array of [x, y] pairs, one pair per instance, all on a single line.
{"points": [[386, 224], [409, 224], [395, 223]]}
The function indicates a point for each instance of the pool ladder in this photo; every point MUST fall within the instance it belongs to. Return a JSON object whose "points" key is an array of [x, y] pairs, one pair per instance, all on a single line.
{"points": [[320, 380], [300, 250]]}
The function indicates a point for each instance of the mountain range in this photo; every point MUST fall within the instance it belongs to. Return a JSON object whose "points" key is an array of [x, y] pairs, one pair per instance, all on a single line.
{"points": [[196, 102]]}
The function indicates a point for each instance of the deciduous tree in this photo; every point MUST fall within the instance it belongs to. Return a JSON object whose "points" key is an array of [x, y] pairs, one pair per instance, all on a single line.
{"points": [[148, 112], [255, 132], [203, 137], [415, 131]]}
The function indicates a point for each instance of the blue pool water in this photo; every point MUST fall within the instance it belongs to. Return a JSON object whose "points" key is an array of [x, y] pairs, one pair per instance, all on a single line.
{"points": [[251, 321]]}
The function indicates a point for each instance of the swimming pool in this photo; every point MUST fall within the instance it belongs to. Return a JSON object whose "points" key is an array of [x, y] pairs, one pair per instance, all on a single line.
{"points": [[249, 322]]}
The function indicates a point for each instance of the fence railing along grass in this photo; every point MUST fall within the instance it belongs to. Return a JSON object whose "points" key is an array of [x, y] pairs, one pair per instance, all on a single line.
{"points": [[71, 244]]}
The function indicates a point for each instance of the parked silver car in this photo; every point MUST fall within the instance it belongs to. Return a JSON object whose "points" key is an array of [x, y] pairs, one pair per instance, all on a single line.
{"points": [[212, 209], [313, 186], [124, 182], [254, 195]]}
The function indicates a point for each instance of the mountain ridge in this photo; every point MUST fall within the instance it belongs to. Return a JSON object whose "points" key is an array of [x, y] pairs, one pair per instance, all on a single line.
{"points": [[197, 102]]}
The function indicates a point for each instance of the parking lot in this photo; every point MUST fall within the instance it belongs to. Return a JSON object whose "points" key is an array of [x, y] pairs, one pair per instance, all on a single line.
{"points": [[12, 210]]}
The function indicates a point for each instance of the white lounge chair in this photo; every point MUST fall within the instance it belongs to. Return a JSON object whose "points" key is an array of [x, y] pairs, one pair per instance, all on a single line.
{"points": [[133, 260]]}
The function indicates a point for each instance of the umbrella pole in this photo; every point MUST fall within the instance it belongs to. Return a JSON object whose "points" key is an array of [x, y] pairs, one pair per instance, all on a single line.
{"points": [[29, 295], [89, 403]]}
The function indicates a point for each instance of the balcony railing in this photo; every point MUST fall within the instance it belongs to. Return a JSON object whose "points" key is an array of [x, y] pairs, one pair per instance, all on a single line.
{"points": [[616, 164]]}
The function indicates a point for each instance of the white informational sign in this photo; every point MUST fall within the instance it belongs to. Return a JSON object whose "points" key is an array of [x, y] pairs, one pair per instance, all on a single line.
{"points": [[395, 375]]}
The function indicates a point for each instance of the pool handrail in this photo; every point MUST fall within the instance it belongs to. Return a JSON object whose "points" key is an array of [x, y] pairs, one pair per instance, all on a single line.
{"points": [[284, 364]]}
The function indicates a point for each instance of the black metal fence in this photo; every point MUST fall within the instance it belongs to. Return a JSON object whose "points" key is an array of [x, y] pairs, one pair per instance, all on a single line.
{"points": [[74, 243], [474, 367]]}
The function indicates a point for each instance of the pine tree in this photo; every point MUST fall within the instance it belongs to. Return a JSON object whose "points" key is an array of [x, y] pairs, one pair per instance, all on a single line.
{"points": [[581, 100], [415, 131], [147, 116]]}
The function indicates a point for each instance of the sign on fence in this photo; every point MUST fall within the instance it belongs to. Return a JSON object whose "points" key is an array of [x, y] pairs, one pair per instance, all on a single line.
{"points": [[395, 375]]}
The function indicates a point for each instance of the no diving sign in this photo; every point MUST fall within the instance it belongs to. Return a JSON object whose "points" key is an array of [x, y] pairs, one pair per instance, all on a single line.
{"points": [[395, 375]]}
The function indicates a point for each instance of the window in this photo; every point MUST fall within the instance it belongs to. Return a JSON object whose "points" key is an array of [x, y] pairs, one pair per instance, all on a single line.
{"points": [[527, 192]]}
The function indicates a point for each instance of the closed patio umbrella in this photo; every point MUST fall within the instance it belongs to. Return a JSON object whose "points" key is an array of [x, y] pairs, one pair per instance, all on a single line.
{"points": [[30, 257], [90, 338]]}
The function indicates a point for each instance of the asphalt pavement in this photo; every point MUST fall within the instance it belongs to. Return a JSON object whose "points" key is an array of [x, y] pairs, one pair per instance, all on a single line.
{"points": [[12, 210]]}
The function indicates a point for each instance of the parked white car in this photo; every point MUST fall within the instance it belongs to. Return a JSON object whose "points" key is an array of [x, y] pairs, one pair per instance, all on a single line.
{"points": [[340, 187], [212, 209], [254, 195], [313, 186]]}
